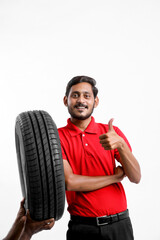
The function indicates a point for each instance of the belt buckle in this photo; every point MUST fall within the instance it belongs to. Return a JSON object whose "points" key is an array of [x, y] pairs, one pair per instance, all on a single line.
{"points": [[101, 224]]}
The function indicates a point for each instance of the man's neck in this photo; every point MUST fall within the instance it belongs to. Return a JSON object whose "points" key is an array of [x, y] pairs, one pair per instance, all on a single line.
{"points": [[81, 124]]}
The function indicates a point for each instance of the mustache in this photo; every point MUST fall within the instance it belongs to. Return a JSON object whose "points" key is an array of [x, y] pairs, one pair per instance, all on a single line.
{"points": [[80, 105]]}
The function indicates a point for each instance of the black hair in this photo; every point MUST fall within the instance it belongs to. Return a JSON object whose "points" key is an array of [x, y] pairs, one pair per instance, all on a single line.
{"points": [[80, 79]]}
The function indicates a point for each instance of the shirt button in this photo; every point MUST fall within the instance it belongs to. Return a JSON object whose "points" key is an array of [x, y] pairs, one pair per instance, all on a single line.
{"points": [[86, 144], [83, 135]]}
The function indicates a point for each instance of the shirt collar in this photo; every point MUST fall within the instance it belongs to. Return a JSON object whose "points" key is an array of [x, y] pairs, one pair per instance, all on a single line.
{"points": [[74, 130]]}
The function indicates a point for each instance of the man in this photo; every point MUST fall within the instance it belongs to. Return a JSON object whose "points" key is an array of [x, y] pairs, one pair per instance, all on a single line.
{"points": [[24, 227], [96, 198]]}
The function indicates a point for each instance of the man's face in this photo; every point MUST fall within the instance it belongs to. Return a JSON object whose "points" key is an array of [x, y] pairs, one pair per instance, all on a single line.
{"points": [[80, 101]]}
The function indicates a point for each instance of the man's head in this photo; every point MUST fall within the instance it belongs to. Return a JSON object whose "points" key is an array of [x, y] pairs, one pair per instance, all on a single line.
{"points": [[81, 97], [80, 79]]}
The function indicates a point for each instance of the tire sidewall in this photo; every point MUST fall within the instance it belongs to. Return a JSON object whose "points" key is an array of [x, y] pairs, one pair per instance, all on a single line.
{"points": [[22, 163]]}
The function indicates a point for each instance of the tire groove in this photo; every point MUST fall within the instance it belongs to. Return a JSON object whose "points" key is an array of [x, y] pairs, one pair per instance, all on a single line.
{"points": [[45, 167], [36, 145], [51, 161]]}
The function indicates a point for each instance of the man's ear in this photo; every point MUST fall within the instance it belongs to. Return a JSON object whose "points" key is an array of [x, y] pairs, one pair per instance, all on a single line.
{"points": [[65, 101], [96, 102]]}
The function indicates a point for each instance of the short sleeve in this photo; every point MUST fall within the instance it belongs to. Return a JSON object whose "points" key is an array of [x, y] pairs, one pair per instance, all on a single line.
{"points": [[61, 136], [119, 132], [64, 157]]}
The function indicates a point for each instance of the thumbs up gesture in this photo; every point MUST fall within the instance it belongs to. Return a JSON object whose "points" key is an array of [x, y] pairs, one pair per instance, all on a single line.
{"points": [[111, 140]]}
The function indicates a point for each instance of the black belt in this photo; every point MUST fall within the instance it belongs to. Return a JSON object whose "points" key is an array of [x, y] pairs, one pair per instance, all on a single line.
{"points": [[98, 221]]}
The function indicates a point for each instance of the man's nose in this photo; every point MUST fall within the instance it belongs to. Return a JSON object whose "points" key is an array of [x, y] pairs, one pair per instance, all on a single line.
{"points": [[80, 99]]}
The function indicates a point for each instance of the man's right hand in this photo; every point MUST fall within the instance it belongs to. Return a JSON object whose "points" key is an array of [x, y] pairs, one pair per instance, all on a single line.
{"points": [[119, 173]]}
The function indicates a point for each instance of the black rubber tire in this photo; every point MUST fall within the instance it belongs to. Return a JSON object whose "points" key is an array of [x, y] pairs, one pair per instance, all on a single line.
{"points": [[40, 165]]}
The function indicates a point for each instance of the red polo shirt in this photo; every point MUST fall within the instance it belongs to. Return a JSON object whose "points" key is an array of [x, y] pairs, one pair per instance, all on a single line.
{"points": [[87, 157]]}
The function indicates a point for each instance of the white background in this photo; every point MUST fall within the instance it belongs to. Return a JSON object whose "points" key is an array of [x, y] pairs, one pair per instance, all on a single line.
{"points": [[43, 44]]}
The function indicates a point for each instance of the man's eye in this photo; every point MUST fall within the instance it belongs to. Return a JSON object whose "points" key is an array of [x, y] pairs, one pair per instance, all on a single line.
{"points": [[87, 96], [75, 95]]}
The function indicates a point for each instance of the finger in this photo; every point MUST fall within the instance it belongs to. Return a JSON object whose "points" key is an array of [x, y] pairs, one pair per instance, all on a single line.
{"points": [[22, 202], [49, 221], [49, 224], [28, 215], [103, 141], [110, 124], [107, 146], [103, 136]]}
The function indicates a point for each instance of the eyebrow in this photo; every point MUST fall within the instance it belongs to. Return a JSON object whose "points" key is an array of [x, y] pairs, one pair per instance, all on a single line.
{"points": [[81, 92]]}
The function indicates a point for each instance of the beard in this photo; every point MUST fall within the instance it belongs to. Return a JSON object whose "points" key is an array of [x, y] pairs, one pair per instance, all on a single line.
{"points": [[77, 116]]}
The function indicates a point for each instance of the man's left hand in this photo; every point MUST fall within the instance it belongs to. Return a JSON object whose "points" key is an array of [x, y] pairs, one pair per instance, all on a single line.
{"points": [[111, 140]]}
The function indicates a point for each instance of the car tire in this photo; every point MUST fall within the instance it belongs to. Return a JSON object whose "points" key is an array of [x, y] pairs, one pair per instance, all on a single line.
{"points": [[40, 165]]}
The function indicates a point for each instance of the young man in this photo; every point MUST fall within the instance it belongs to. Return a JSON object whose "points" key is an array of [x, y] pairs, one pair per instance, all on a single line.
{"points": [[96, 198]]}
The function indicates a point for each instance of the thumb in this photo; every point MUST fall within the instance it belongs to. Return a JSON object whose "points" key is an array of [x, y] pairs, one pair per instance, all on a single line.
{"points": [[110, 124]]}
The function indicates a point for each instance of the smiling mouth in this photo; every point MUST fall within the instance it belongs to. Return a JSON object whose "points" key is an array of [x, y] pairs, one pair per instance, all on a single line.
{"points": [[81, 107]]}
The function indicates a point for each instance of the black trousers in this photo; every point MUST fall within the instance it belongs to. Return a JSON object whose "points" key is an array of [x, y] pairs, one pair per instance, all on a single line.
{"points": [[121, 230]]}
